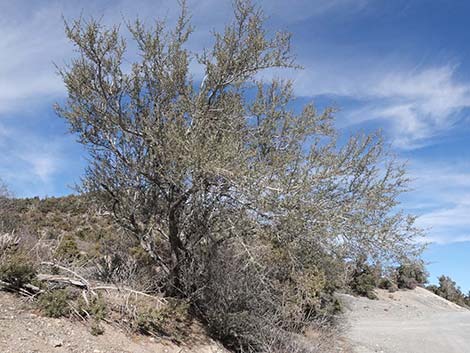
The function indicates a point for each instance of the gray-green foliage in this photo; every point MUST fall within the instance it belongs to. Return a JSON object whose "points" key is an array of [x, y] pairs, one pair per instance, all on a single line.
{"points": [[449, 290], [55, 303], [411, 275], [7, 225], [196, 168], [16, 270], [364, 279]]}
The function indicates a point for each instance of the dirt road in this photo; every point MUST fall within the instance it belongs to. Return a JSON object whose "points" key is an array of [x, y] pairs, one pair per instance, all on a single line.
{"points": [[407, 322]]}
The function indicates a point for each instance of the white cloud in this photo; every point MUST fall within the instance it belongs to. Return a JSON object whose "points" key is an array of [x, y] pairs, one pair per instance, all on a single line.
{"points": [[28, 47], [39, 163], [43, 165], [422, 104], [442, 198], [418, 103]]}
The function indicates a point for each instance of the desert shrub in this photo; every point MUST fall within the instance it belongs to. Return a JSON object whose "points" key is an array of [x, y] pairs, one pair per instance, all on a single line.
{"points": [[84, 233], [55, 303], [449, 290], [10, 215], [388, 284], [411, 275], [8, 244], [170, 320], [126, 264], [17, 271], [95, 308], [364, 279], [248, 295], [433, 288], [320, 340], [467, 300], [67, 249], [66, 302], [9, 218], [236, 198]]}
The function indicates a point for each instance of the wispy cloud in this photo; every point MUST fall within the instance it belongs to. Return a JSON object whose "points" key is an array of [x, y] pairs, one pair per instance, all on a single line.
{"points": [[35, 165], [442, 199], [421, 104], [418, 104], [28, 47], [43, 165]]}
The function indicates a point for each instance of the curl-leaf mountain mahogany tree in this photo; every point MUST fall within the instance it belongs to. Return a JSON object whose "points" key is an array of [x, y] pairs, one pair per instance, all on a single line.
{"points": [[187, 165]]}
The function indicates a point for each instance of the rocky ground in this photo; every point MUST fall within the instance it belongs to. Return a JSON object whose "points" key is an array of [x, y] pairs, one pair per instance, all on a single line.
{"points": [[23, 331], [407, 322]]}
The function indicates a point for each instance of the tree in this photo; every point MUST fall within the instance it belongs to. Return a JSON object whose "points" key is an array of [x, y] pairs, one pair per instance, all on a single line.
{"points": [[182, 164], [226, 164], [411, 275]]}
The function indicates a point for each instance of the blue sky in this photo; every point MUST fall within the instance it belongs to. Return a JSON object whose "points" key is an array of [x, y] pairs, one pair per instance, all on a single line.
{"points": [[402, 66]]}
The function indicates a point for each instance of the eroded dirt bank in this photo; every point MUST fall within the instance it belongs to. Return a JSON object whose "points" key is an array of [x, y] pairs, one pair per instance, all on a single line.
{"points": [[22, 331]]}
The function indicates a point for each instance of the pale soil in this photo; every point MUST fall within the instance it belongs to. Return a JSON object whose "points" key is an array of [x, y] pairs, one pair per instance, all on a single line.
{"points": [[23, 331], [407, 322]]}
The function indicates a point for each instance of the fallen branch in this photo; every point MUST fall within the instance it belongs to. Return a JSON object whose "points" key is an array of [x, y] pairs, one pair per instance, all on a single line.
{"points": [[82, 281], [31, 290], [162, 301], [27, 290], [61, 280]]}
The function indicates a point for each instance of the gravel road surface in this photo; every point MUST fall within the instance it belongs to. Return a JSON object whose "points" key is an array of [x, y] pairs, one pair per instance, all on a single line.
{"points": [[407, 322]]}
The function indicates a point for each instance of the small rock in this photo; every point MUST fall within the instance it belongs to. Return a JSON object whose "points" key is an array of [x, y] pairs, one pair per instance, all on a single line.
{"points": [[56, 343]]}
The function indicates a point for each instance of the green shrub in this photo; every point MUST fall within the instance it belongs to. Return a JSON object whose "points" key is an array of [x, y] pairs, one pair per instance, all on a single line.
{"points": [[388, 284], [95, 308], [433, 288], [67, 249], [411, 275], [364, 279], [170, 320], [449, 290], [56, 303], [17, 271]]}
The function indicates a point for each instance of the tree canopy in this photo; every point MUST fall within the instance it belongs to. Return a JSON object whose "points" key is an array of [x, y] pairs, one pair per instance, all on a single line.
{"points": [[192, 166]]}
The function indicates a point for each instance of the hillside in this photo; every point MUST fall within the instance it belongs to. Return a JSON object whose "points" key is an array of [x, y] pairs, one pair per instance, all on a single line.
{"points": [[416, 321]]}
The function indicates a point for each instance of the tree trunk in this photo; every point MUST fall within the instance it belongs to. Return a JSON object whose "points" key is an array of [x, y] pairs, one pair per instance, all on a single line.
{"points": [[174, 288]]}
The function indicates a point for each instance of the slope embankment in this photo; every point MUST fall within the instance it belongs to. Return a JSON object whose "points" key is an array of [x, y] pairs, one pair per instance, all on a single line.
{"points": [[22, 331]]}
